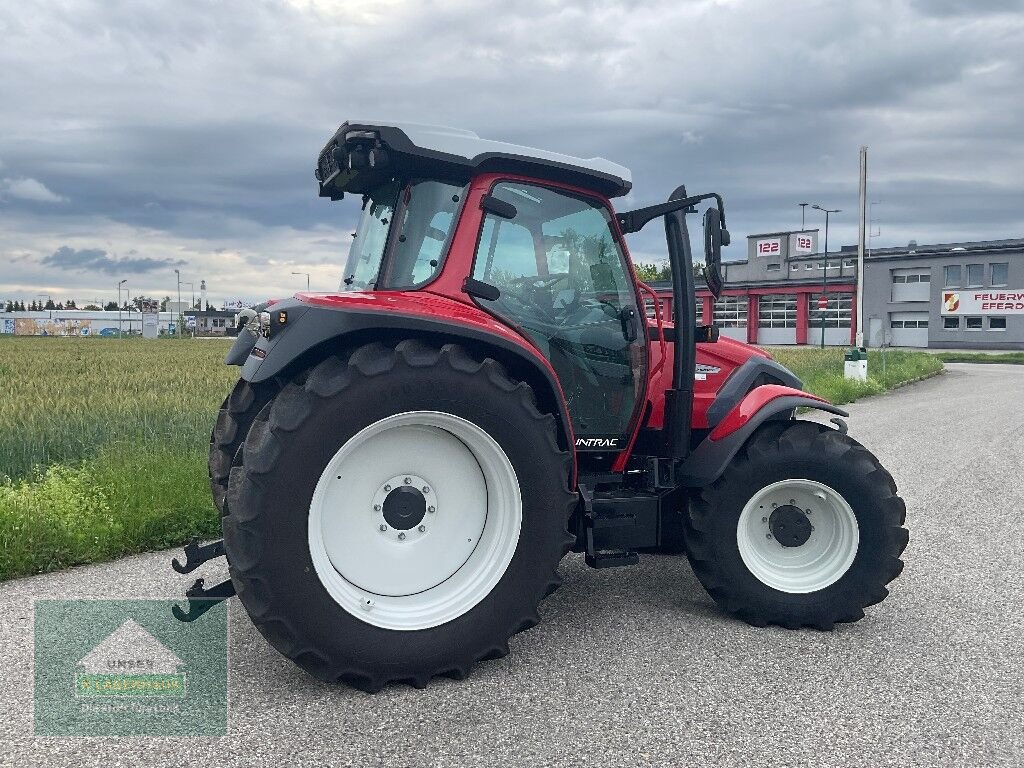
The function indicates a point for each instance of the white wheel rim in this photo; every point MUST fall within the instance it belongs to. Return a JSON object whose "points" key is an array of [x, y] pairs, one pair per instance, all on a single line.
{"points": [[821, 560], [410, 578]]}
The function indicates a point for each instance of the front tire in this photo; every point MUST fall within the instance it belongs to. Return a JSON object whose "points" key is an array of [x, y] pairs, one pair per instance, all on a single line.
{"points": [[804, 528], [345, 518]]}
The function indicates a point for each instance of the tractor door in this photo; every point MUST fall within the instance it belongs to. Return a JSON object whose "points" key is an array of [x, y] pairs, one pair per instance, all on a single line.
{"points": [[563, 281]]}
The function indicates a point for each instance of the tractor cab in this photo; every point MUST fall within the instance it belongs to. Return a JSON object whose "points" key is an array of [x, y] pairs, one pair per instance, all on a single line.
{"points": [[540, 250]]}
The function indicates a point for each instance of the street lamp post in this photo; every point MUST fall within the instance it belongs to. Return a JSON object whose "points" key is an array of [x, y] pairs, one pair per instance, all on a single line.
{"points": [[307, 278], [49, 300], [803, 210], [181, 317], [119, 328], [824, 271]]}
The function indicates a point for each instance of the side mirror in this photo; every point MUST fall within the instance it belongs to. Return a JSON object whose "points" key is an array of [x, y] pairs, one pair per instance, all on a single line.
{"points": [[715, 236]]}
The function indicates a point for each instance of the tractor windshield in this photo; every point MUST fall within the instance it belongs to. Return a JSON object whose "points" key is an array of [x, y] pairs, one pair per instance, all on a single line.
{"points": [[370, 238], [424, 213]]}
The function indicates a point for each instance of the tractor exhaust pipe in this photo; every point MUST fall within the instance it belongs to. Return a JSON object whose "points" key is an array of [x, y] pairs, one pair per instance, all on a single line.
{"points": [[679, 399]]}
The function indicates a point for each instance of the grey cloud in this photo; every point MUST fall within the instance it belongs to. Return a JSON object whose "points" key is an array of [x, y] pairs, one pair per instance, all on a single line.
{"points": [[96, 259], [966, 7], [28, 189]]}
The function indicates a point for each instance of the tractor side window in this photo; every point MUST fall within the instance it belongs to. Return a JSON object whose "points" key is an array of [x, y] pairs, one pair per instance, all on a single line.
{"points": [[425, 219], [506, 253], [371, 236]]}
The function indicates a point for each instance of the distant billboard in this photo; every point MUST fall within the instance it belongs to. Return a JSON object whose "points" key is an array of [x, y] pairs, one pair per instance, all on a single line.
{"points": [[27, 326], [803, 243], [983, 302], [771, 246]]}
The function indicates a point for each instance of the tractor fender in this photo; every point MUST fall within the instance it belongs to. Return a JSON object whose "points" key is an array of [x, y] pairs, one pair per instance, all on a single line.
{"points": [[310, 332], [710, 458]]}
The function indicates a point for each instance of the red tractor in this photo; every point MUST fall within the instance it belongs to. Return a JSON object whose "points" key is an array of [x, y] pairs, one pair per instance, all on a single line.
{"points": [[404, 462]]}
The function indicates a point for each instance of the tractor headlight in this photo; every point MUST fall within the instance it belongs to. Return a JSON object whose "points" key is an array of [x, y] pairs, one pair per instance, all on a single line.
{"points": [[265, 324]]}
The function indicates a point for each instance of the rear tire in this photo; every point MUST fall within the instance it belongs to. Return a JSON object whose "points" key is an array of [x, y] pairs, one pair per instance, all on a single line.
{"points": [[804, 528], [236, 415], [303, 529]]}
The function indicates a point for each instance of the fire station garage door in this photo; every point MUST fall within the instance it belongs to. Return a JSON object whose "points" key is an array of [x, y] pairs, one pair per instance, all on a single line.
{"points": [[908, 329]]}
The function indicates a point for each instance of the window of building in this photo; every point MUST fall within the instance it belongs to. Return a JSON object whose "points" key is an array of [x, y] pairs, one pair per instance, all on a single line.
{"points": [[731, 312], [778, 311], [1000, 273], [953, 276], [974, 324], [911, 277], [908, 323], [951, 323], [975, 275], [809, 267], [772, 267], [849, 263], [837, 313], [997, 323]]}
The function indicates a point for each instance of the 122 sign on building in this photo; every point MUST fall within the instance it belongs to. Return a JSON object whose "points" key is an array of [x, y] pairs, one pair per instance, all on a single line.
{"points": [[983, 303]]}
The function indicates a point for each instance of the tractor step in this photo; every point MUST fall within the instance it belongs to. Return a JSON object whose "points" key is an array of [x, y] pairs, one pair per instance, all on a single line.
{"points": [[611, 559], [616, 525], [200, 599], [197, 554]]}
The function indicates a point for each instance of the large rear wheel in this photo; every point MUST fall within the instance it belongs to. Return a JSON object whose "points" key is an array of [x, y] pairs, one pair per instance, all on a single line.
{"points": [[236, 415], [398, 515], [804, 528]]}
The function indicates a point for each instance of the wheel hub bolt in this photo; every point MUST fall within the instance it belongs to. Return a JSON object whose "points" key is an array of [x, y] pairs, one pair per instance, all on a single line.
{"points": [[792, 502], [422, 529], [431, 509], [407, 480], [401, 535], [426, 489], [376, 507], [767, 535], [387, 487], [383, 527], [764, 519]]}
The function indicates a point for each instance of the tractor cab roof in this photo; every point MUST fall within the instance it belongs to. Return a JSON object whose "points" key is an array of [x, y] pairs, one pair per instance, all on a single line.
{"points": [[361, 155]]}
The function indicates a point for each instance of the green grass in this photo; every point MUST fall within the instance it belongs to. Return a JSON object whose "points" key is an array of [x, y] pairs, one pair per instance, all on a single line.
{"points": [[103, 442], [821, 371], [103, 447], [1016, 358]]}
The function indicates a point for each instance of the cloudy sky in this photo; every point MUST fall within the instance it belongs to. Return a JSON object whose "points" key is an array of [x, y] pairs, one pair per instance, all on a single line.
{"points": [[140, 137]]}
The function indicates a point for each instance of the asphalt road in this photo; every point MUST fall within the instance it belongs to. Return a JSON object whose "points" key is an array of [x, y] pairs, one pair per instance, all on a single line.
{"points": [[635, 666]]}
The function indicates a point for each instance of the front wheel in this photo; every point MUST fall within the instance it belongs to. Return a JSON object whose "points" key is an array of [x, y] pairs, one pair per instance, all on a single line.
{"points": [[804, 528]]}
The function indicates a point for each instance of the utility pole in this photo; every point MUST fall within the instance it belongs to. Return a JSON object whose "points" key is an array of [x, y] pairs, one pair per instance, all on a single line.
{"points": [[861, 228], [824, 271], [119, 329], [181, 316]]}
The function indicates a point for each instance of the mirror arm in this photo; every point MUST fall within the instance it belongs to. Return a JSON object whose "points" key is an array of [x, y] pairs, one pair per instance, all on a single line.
{"points": [[634, 221]]}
